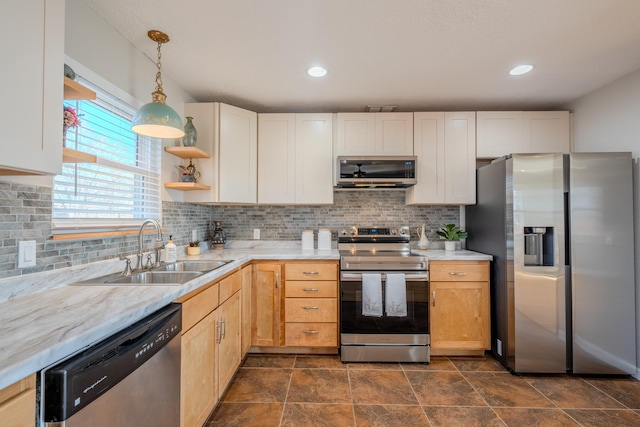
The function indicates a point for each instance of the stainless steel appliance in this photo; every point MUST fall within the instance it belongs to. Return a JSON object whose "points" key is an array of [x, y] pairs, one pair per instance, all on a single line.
{"points": [[375, 171], [560, 229], [130, 379], [388, 336]]}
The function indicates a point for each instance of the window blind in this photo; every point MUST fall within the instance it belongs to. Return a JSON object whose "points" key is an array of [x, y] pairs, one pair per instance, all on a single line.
{"points": [[122, 188]]}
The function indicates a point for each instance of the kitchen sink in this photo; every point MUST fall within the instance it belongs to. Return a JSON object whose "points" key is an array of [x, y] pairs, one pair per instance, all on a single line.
{"points": [[202, 266], [149, 277], [171, 274]]}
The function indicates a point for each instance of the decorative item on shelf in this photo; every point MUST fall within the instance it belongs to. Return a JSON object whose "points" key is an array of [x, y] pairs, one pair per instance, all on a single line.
{"points": [[423, 243], [218, 239], [451, 233], [69, 120], [68, 72], [189, 173], [193, 248], [190, 133], [156, 119]]}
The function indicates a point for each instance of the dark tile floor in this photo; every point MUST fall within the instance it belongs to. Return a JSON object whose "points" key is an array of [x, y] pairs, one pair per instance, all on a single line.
{"points": [[290, 390]]}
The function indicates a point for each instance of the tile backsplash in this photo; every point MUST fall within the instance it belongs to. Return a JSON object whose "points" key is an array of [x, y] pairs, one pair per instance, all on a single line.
{"points": [[25, 214]]}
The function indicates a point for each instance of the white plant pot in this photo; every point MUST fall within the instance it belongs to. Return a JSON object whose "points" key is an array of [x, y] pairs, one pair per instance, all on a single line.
{"points": [[449, 245]]}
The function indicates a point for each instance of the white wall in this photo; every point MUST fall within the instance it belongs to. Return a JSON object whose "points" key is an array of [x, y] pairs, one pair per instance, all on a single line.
{"points": [[608, 119]]}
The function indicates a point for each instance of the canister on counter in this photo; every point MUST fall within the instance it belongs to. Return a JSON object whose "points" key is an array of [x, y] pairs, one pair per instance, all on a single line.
{"points": [[324, 239], [307, 240]]}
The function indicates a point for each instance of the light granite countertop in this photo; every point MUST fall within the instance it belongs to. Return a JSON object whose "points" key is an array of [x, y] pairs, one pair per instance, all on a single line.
{"points": [[46, 319]]}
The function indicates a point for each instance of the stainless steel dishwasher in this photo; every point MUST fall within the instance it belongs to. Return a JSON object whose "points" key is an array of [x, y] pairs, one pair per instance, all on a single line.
{"points": [[130, 379]]}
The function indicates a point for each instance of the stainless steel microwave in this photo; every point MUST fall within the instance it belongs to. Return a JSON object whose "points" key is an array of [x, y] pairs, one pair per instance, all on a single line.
{"points": [[375, 171]]}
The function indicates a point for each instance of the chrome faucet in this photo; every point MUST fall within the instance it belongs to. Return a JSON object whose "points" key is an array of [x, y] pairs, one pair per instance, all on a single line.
{"points": [[157, 246]]}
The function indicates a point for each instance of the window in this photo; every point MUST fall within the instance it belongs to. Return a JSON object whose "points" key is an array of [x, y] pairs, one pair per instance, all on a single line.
{"points": [[122, 188]]}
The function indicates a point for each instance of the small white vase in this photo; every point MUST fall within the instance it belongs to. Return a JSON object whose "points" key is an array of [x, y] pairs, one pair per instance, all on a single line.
{"points": [[449, 245]]}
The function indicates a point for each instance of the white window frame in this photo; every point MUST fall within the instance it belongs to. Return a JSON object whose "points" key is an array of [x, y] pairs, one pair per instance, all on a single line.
{"points": [[128, 221]]}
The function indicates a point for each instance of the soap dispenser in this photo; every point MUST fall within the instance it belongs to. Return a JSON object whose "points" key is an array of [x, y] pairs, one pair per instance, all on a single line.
{"points": [[170, 251]]}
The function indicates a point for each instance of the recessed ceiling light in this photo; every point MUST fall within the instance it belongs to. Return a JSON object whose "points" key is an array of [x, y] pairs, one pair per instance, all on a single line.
{"points": [[521, 69], [317, 71]]}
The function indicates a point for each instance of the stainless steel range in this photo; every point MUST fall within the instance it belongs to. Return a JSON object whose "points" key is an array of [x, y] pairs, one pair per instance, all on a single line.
{"points": [[384, 297]]}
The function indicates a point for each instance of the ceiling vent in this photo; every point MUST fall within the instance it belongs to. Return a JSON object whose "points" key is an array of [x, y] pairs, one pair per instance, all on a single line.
{"points": [[382, 109]]}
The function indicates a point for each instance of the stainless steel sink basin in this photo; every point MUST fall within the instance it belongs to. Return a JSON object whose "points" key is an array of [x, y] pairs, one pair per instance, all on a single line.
{"points": [[149, 277], [158, 277], [202, 266]]}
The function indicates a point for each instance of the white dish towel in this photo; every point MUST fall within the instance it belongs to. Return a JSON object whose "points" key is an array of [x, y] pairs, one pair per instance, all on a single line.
{"points": [[395, 295], [372, 294]]}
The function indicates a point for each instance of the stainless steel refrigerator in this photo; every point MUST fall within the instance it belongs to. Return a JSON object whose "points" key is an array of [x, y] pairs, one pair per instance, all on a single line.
{"points": [[560, 228]]}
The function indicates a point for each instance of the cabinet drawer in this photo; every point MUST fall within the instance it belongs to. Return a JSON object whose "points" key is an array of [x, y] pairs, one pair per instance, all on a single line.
{"points": [[315, 289], [455, 271], [196, 308], [230, 286], [310, 310], [311, 334], [311, 271]]}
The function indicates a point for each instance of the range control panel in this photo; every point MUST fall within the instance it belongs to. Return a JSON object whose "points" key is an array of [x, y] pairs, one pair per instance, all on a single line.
{"points": [[374, 232]]}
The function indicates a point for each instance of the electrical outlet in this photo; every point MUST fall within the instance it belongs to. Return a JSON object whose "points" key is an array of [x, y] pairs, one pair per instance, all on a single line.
{"points": [[26, 253], [256, 234]]}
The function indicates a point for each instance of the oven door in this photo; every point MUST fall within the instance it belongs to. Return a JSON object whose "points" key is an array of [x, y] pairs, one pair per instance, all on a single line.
{"points": [[356, 328]]}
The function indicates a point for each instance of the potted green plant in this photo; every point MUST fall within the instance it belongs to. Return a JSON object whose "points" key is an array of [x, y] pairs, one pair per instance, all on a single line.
{"points": [[451, 233], [193, 248]]}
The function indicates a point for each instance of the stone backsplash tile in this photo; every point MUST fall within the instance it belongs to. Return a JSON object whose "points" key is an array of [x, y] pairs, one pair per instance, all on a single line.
{"points": [[25, 214]]}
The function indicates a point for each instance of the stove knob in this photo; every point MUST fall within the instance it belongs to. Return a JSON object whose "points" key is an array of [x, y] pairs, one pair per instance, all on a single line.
{"points": [[402, 231], [393, 232], [343, 232], [352, 232]]}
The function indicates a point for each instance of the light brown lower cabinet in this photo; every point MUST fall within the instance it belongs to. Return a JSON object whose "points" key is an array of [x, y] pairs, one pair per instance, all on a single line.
{"points": [[265, 304], [18, 403], [245, 310], [459, 309], [211, 350]]}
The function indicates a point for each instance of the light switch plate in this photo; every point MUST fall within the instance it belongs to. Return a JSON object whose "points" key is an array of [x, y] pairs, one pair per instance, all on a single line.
{"points": [[26, 253]]}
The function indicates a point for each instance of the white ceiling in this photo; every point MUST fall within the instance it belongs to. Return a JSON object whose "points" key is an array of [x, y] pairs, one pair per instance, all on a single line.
{"points": [[416, 54]]}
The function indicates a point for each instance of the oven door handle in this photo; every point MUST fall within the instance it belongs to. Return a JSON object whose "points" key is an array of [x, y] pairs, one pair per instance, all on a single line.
{"points": [[409, 277]]}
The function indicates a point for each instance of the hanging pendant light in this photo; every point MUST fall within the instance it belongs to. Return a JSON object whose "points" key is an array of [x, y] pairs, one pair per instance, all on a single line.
{"points": [[156, 119]]}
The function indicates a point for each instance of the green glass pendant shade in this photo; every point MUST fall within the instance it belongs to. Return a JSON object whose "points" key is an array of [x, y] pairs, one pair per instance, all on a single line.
{"points": [[157, 120]]}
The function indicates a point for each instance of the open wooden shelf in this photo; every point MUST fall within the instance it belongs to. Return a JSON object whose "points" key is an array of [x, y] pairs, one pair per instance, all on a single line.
{"points": [[186, 186], [74, 90], [187, 152], [74, 156]]}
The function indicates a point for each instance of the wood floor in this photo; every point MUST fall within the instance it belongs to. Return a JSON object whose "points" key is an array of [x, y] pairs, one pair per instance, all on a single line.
{"points": [[290, 390]]}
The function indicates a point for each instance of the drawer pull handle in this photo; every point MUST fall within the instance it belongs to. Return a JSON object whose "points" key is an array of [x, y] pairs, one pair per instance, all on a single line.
{"points": [[312, 332], [433, 298], [310, 307], [310, 289], [454, 273], [310, 272]]}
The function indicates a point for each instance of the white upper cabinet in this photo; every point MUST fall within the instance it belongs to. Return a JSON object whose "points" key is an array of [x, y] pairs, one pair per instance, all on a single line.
{"points": [[505, 132], [32, 51], [295, 159], [230, 135], [445, 147], [365, 134]]}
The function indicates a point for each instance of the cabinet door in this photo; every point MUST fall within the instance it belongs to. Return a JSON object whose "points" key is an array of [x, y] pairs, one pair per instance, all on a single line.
{"points": [[245, 316], [460, 158], [499, 133], [18, 403], [314, 159], [229, 340], [545, 132], [33, 51], [459, 315], [394, 134], [429, 149], [238, 157], [277, 159], [355, 134], [265, 305], [198, 385]]}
